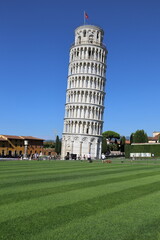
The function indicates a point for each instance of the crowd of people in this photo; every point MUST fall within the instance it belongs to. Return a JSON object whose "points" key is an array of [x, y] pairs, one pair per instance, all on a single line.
{"points": [[82, 158]]}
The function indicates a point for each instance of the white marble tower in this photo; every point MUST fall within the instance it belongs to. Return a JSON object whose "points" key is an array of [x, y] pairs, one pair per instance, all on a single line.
{"points": [[84, 107]]}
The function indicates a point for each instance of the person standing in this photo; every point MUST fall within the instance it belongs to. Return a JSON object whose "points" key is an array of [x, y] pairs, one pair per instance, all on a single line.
{"points": [[89, 157], [102, 157]]}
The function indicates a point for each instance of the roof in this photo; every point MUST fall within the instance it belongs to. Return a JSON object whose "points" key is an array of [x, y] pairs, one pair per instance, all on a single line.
{"points": [[19, 137], [127, 142], [32, 138], [12, 137], [2, 139], [154, 138]]}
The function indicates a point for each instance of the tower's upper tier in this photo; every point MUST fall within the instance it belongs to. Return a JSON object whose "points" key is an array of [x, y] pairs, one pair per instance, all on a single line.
{"points": [[89, 34]]}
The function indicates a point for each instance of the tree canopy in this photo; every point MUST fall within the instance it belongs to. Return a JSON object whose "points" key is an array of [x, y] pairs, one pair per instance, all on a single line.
{"points": [[111, 134], [58, 145], [49, 144], [104, 145], [122, 143], [131, 138], [140, 137]]}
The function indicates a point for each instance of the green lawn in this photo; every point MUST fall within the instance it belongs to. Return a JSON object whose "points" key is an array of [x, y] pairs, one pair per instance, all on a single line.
{"points": [[74, 200]]}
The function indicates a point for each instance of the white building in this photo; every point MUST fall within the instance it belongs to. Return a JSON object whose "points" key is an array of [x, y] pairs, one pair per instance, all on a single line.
{"points": [[84, 107]]}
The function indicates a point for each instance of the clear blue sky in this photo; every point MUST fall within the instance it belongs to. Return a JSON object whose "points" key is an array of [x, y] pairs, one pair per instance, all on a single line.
{"points": [[35, 37]]}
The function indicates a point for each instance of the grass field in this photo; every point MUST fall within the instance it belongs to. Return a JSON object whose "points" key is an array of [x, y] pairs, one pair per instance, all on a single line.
{"points": [[73, 200]]}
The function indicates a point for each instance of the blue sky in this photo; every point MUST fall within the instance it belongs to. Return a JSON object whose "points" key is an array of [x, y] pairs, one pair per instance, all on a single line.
{"points": [[35, 38]]}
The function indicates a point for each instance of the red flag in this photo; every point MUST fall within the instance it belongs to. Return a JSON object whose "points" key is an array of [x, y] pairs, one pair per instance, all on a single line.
{"points": [[86, 15]]}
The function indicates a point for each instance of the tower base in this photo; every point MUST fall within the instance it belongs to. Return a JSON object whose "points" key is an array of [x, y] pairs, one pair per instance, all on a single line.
{"points": [[79, 146]]}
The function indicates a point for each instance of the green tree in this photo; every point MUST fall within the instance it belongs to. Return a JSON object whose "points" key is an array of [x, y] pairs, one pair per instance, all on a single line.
{"points": [[58, 145], [140, 137], [49, 144], [114, 147], [122, 143], [159, 139], [131, 138], [111, 134], [104, 145]]}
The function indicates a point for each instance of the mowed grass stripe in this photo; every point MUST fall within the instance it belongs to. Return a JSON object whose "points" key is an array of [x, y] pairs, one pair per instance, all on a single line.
{"points": [[25, 227], [42, 171], [20, 173], [42, 164], [33, 169], [17, 197], [57, 170], [33, 206], [49, 203], [51, 184], [61, 177], [39, 167], [35, 166], [135, 220]]}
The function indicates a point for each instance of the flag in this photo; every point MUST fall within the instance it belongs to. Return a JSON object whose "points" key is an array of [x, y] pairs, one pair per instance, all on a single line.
{"points": [[86, 15]]}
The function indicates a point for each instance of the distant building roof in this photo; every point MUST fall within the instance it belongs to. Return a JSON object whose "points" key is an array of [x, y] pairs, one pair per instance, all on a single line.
{"points": [[4, 137], [154, 138], [31, 138], [12, 137]]}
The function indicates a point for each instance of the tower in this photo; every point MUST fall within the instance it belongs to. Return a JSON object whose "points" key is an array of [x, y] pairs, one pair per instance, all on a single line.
{"points": [[83, 121]]}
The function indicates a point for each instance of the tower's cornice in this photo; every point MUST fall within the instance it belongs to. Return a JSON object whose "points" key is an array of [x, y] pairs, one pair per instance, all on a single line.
{"points": [[86, 43], [85, 104], [87, 60], [89, 27], [88, 75], [84, 119], [85, 89]]}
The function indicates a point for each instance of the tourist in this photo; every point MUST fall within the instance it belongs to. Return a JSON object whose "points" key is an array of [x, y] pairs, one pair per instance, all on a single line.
{"points": [[89, 157], [102, 157]]}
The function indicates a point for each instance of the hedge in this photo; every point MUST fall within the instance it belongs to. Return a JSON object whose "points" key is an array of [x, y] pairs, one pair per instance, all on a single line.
{"points": [[145, 148]]}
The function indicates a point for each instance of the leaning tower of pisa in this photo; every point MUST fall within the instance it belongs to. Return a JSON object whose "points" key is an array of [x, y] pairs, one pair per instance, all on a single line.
{"points": [[83, 121]]}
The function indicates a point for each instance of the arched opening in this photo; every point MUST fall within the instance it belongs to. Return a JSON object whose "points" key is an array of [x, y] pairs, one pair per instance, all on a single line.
{"points": [[97, 35], [89, 53], [90, 38], [79, 40]]}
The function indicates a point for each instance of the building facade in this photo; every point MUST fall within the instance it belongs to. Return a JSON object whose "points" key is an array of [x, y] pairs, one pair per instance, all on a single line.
{"points": [[156, 133], [16, 146], [83, 122], [155, 138]]}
